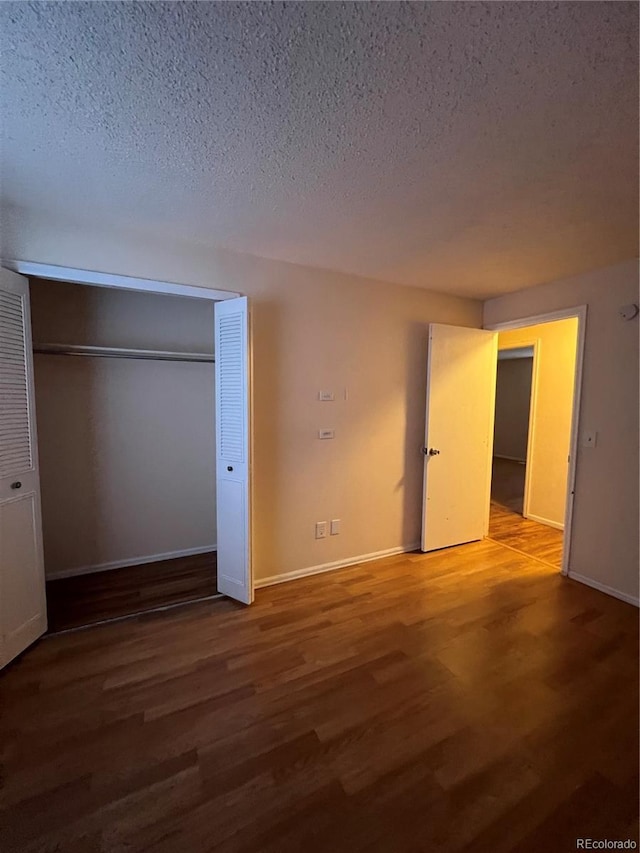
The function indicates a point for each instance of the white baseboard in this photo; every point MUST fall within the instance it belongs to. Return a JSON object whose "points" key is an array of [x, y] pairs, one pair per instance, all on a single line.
{"points": [[132, 561], [330, 567], [510, 458], [547, 521], [602, 587]]}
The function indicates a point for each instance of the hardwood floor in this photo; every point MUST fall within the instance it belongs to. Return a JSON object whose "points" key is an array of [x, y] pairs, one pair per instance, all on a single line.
{"points": [[506, 524], [537, 540], [86, 599], [465, 700], [507, 484]]}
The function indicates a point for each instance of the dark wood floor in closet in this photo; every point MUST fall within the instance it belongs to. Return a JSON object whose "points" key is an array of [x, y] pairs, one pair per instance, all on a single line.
{"points": [[86, 599]]}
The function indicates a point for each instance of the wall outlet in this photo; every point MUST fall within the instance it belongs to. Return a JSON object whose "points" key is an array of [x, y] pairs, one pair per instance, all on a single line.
{"points": [[321, 529], [335, 526], [326, 433], [326, 396]]}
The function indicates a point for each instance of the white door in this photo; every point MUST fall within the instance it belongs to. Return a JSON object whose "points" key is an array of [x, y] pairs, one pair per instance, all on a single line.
{"points": [[233, 448], [461, 387], [23, 607]]}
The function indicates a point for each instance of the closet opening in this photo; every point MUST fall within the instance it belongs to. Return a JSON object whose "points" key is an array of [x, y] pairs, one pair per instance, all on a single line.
{"points": [[125, 403]]}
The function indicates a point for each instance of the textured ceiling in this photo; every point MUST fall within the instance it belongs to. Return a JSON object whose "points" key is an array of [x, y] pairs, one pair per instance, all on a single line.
{"points": [[473, 148]]}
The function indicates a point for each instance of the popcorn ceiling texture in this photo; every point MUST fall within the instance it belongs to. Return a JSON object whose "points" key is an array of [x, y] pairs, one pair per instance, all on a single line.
{"points": [[473, 148]]}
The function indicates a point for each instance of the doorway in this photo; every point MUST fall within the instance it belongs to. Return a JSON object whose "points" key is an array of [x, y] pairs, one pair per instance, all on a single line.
{"points": [[22, 575], [532, 504], [514, 383], [124, 386], [535, 387]]}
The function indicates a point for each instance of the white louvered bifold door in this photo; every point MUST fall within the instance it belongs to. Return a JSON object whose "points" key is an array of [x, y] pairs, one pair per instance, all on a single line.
{"points": [[23, 608], [233, 448]]}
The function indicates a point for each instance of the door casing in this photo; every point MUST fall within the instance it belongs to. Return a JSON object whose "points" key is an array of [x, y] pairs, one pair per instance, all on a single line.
{"points": [[534, 343], [122, 282], [580, 313]]}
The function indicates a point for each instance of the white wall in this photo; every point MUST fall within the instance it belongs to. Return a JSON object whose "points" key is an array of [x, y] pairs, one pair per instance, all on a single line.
{"points": [[548, 463], [605, 527], [513, 395], [126, 447], [313, 330]]}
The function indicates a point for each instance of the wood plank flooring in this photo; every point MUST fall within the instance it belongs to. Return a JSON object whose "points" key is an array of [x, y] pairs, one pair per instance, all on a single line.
{"points": [[507, 483], [465, 700], [506, 524], [86, 599], [537, 540]]}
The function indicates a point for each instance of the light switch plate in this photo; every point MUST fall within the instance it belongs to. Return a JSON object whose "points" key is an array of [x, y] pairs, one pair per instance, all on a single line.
{"points": [[335, 526], [326, 433], [321, 529], [326, 396]]}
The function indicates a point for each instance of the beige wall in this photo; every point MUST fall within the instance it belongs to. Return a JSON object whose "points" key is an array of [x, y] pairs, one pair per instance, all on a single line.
{"points": [[605, 526], [513, 395], [127, 448], [313, 330], [548, 465]]}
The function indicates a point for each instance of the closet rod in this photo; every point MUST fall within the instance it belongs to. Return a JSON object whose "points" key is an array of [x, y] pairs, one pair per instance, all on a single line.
{"points": [[117, 352]]}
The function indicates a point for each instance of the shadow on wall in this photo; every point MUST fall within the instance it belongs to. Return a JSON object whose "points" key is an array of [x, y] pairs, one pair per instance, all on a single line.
{"points": [[67, 444], [416, 389], [513, 405], [269, 435]]}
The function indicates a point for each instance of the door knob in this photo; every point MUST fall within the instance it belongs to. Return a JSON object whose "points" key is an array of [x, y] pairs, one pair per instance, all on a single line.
{"points": [[16, 485], [433, 452]]}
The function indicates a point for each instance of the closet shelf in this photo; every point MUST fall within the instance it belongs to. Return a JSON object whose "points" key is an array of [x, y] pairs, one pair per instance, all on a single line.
{"points": [[119, 352]]}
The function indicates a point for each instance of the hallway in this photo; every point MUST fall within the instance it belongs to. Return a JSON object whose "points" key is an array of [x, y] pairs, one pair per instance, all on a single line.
{"points": [[508, 527]]}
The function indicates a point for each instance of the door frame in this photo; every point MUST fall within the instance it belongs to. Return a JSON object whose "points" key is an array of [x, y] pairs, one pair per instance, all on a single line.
{"points": [[124, 282], [534, 343], [580, 313], [105, 279]]}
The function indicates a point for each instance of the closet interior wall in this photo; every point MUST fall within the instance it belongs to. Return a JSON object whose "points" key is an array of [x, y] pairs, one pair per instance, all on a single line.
{"points": [[127, 446]]}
